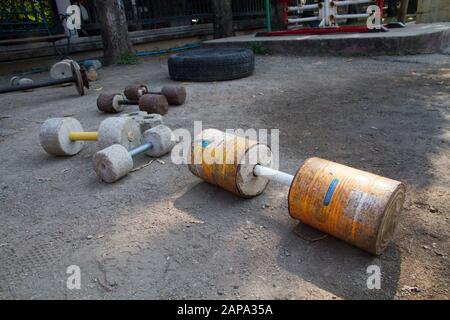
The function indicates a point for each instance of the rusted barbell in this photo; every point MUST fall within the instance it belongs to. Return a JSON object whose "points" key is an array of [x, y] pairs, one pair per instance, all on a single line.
{"points": [[79, 78], [358, 207], [175, 95], [150, 103]]}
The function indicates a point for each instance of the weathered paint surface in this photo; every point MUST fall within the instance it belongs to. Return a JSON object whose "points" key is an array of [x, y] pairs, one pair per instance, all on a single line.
{"points": [[215, 158], [356, 206]]}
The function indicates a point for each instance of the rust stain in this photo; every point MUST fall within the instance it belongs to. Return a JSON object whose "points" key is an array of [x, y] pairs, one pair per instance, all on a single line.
{"points": [[357, 204], [220, 173]]}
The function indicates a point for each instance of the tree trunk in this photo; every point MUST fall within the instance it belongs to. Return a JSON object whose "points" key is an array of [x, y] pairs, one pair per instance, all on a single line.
{"points": [[114, 28], [412, 6], [403, 10], [223, 19], [277, 15], [392, 8]]}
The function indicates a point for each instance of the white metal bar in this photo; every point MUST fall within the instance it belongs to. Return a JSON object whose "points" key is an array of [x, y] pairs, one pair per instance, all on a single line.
{"points": [[351, 16], [306, 7], [350, 2], [303, 19], [326, 19], [273, 175]]}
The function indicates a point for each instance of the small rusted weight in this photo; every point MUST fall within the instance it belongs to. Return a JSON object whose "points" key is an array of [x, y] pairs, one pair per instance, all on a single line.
{"points": [[175, 95], [111, 103], [154, 103], [135, 91]]}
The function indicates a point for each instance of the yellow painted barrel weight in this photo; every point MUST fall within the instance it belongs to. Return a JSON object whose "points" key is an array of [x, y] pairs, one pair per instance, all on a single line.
{"points": [[355, 206], [227, 161]]}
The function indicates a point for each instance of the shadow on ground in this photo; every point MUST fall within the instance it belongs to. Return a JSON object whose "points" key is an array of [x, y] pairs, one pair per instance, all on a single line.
{"points": [[329, 263]]}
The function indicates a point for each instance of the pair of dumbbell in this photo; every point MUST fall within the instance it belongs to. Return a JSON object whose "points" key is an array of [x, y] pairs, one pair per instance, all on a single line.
{"points": [[174, 94], [120, 137], [138, 94], [18, 81], [66, 137], [116, 161]]}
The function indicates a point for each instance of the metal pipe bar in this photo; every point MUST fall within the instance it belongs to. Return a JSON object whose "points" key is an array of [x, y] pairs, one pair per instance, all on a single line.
{"points": [[37, 85], [83, 136], [141, 149], [351, 16], [306, 7], [273, 175], [350, 2], [128, 102], [325, 22], [268, 19], [303, 19]]}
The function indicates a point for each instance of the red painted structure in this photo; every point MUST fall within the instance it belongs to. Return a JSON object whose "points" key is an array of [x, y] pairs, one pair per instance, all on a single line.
{"points": [[319, 30]]}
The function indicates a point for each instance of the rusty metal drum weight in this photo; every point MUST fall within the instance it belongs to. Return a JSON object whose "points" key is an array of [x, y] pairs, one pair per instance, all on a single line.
{"points": [[358, 207], [355, 206], [224, 160]]}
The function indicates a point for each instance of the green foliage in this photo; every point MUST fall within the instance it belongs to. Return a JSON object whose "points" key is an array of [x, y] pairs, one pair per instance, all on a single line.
{"points": [[257, 48], [127, 58], [31, 11]]}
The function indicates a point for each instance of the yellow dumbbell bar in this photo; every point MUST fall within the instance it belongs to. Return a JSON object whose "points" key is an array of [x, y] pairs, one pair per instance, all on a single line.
{"points": [[83, 136]]}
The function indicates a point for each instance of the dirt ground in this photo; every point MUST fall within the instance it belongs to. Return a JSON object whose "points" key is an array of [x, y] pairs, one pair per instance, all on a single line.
{"points": [[161, 233]]}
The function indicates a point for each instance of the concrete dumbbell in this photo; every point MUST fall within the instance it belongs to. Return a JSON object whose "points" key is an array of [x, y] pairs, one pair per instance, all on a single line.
{"points": [[114, 103], [17, 81], [14, 81], [66, 137], [136, 114], [145, 120], [115, 162], [355, 206], [175, 95], [63, 69]]}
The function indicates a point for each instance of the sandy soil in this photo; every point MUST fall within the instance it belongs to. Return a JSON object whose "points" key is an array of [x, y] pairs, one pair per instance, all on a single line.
{"points": [[161, 233]]}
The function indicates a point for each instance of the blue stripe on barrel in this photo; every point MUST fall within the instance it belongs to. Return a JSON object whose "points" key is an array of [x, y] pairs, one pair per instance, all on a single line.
{"points": [[330, 191]]}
